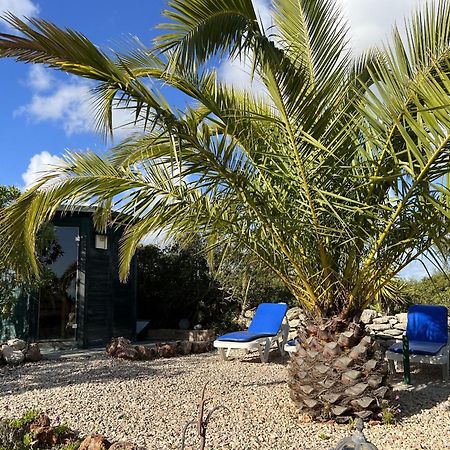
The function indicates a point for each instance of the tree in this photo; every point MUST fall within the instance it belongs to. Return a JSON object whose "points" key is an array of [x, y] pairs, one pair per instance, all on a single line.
{"points": [[9, 284], [48, 250], [336, 177]]}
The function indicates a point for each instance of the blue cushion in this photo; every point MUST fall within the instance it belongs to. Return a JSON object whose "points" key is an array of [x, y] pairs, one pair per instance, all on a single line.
{"points": [[427, 323], [266, 323], [268, 319], [242, 336], [418, 347]]}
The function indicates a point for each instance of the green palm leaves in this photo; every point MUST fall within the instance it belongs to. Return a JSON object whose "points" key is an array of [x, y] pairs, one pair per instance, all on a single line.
{"points": [[335, 177]]}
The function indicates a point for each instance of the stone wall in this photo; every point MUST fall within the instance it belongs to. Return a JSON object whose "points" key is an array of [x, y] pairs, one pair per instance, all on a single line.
{"points": [[383, 328]]}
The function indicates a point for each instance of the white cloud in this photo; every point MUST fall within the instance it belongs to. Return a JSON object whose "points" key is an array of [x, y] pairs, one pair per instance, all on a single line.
{"points": [[68, 104], [40, 165], [371, 21], [19, 8], [39, 78]]}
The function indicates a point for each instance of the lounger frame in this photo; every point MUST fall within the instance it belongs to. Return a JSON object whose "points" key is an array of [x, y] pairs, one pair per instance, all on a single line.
{"points": [[442, 358], [263, 345]]}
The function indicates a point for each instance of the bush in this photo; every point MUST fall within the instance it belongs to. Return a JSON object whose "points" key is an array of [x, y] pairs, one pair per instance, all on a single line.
{"points": [[174, 283], [432, 290]]}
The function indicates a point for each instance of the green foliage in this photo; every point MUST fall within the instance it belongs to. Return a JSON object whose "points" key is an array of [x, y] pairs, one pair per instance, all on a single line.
{"points": [[27, 418], [335, 179], [47, 249], [15, 434], [390, 412], [430, 290], [249, 282], [175, 283]]}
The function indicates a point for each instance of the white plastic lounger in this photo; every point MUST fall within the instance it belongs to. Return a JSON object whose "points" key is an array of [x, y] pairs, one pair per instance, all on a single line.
{"points": [[266, 328], [428, 338]]}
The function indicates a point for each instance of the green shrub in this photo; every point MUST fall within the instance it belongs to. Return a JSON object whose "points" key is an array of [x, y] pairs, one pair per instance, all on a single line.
{"points": [[430, 290]]}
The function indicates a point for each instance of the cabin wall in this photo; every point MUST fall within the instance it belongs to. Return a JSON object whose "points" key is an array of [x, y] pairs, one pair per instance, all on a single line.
{"points": [[106, 306]]}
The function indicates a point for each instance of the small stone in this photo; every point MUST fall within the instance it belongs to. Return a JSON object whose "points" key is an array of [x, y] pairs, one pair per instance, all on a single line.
{"points": [[145, 353], [33, 353], [11, 356], [402, 317], [379, 327], [368, 315], [380, 320], [294, 323], [95, 442], [293, 313], [17, 344]]}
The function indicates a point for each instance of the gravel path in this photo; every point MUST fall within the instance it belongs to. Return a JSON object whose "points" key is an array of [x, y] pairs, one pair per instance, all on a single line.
{"points": [[150, 402]]}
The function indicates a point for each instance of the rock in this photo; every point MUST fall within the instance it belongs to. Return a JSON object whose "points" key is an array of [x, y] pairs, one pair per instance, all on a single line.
{"points": [[402, 317], [42, 432], [122, 348], [11, 356], [95, 442], [17, 344], [167, 350], [249, 313], [42, 421], [129, 353], [200, 347], [294, 323], [393, 322], [400, 326], [379, 327], [294, 313], [144, 353], [368, 315], [184, 347], [33, 353], [379, 320]]}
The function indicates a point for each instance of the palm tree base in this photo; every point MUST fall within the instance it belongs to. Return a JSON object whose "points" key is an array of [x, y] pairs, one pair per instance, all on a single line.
{"points": [[338, 372]]}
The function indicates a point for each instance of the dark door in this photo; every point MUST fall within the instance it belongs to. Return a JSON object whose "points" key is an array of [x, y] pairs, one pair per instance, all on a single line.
{"points": [[58, 299]]}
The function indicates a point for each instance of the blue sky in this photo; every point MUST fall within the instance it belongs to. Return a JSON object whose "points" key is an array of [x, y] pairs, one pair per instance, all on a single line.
{"points": [[43, 113]]}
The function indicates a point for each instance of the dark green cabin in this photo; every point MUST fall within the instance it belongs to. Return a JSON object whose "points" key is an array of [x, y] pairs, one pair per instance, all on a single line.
{"points": [[84, 304]]}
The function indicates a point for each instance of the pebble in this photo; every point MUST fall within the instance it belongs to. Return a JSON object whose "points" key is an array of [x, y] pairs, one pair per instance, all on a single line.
{"points": [[149, 403]]}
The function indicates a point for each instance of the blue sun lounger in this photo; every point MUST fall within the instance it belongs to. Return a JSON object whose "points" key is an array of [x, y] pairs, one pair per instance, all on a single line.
{"points": [[269, 325], [427, 332]]}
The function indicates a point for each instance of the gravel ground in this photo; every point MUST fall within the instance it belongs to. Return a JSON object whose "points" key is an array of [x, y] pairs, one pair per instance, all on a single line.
{"points": [[150, 402]]}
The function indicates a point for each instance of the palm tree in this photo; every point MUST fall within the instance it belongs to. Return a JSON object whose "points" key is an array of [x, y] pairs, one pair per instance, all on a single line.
{"points": [[335, 177]]}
